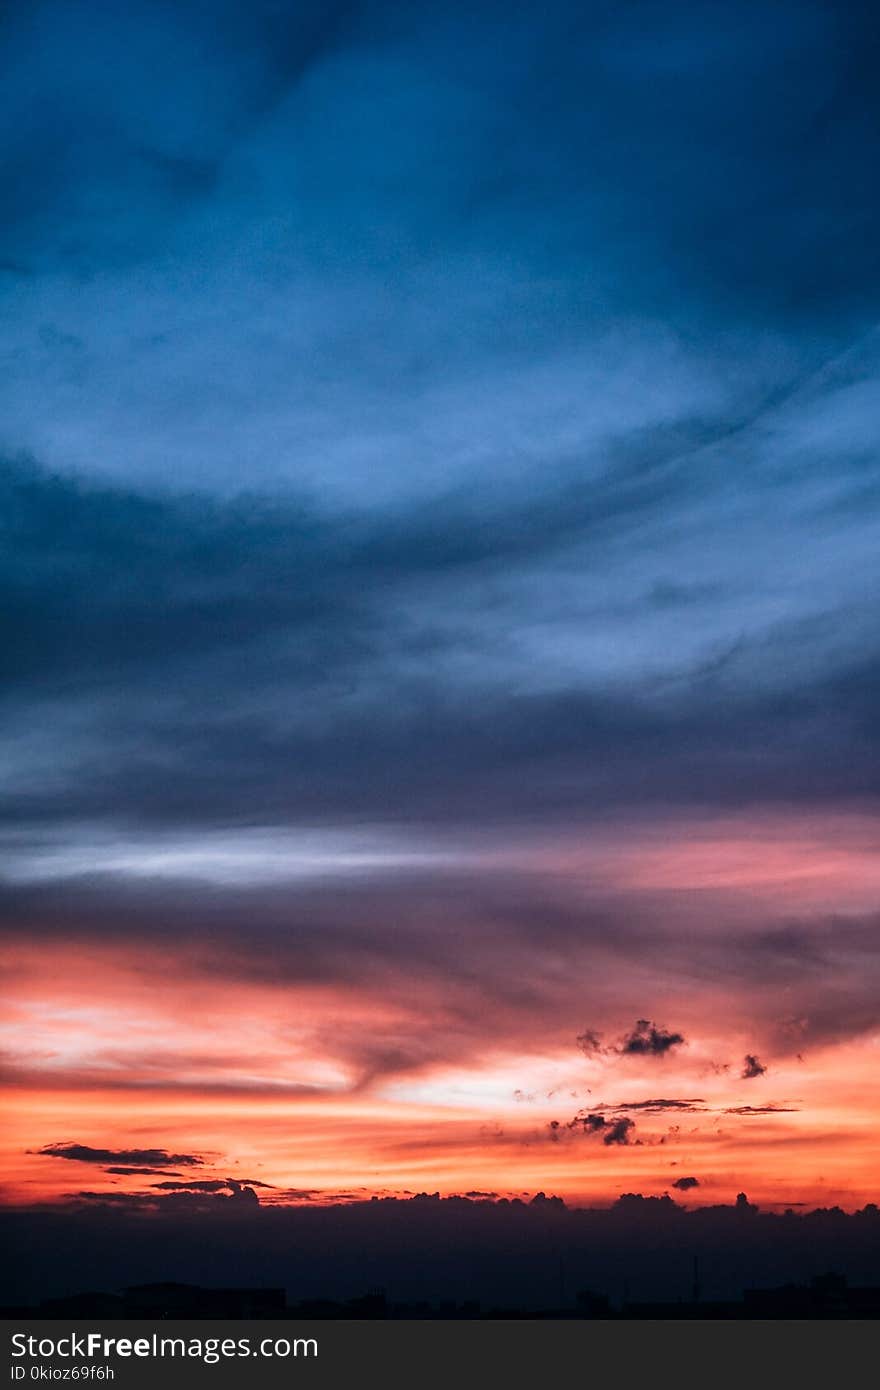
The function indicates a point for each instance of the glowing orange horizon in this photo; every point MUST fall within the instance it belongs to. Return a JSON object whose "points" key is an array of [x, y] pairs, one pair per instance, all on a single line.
{"points": [[274, 1081]]}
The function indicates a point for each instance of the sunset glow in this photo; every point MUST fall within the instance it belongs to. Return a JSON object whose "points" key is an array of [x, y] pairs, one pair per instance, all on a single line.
{"points": [[330, 1088]]}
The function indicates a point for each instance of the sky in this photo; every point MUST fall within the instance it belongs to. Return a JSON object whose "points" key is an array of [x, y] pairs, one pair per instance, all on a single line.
{"points": [[439, 502]]}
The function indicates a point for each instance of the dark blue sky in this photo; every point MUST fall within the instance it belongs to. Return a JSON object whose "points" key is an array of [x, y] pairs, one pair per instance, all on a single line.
{"points": [[543, 346]]}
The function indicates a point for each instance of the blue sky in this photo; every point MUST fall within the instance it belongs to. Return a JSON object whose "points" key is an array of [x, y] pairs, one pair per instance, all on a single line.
{"points": [[552, 334]]}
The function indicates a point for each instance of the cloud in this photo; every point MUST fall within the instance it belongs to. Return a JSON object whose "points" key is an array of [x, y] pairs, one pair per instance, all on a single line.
{"points": [[761, 1110], [176, 1200], [126, 1172], [589, 1042], [691, 1105], [336, 610], [648, 1040], [229, 1185], [686, 1184], [752, 1067], [131, 1201], [635, 1204], [591, 1123], [391, 937], [645, 1040], [614, 1130], [618, 1131], [157, 1158]]}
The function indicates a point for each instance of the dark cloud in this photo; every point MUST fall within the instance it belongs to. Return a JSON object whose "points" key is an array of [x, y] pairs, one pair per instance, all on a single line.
{"points": [[144, 1172], [323, 607], [202, 1198], [618, 1131], [752, 1067], [591, 1123], [132, 1202], [230, 1185], [660, 1105], [645, 1040], [649, 1040], [156, 1158], [762, 1110], [635, 1204], [613, 1129], [686, 1184]]}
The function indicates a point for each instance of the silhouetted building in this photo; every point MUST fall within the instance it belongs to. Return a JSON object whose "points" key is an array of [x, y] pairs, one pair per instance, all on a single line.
{"points": [[826, 1296], [84, 1305], [189, 1301], [592, 1305]]}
